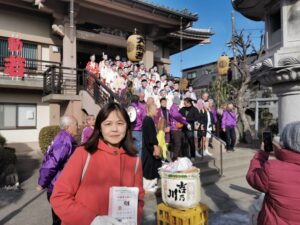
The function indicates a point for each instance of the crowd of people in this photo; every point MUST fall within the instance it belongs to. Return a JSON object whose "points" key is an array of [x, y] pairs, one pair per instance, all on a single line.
{"points": [[166, 124], [180, 124]]}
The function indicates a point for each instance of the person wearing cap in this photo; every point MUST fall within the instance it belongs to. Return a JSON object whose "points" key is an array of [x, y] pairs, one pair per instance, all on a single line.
{"points": [[177, 121], [278, 178]]}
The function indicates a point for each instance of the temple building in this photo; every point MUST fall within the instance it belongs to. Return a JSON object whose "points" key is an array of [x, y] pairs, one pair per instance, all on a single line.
{"points": [[279, 67], [59, 36]]}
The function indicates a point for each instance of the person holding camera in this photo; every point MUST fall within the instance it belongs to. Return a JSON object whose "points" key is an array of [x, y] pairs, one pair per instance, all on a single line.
{"points": [[279, 179]]}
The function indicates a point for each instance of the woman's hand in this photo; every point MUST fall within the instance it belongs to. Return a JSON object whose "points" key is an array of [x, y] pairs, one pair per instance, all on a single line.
{"points": [[156, 152], [39, 188], [105, 220]]}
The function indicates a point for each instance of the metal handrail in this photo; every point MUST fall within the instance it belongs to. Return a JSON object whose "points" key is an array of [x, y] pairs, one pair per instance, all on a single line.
{"points": [[100, 83], [222, 143]]}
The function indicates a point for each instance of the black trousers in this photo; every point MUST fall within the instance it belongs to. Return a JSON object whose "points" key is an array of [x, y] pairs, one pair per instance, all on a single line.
{"points": [[189, 134], [55, 218], [230, 138], [176, 144]]}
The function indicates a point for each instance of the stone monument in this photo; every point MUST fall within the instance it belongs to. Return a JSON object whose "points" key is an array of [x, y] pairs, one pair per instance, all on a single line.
{"points": [[279, 67]]}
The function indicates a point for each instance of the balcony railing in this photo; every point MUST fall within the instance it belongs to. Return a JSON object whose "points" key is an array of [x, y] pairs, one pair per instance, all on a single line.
{"points": [[34, 69], [65, 80]]}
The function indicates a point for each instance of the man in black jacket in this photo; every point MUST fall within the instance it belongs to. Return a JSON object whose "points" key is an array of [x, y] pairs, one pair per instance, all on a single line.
{"points": [[191, 114]]}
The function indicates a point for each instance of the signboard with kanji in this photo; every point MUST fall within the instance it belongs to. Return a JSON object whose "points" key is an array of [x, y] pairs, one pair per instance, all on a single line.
{"points": [[15, 63]]}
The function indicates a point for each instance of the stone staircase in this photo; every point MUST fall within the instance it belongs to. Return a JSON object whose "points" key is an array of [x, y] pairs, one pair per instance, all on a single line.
{"points": [[235, 165]]}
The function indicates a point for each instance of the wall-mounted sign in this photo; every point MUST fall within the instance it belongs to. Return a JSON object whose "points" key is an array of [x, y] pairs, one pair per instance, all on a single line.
{"points": [[15, 63]]}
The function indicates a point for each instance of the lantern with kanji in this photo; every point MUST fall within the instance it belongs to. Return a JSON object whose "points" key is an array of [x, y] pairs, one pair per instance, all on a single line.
{"points": [[135, 47], [223, 65]]}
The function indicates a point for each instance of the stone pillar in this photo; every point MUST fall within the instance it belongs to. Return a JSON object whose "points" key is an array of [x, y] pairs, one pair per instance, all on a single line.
{"points": [[54, 113], [288, 103], [73, 108], [149, 54], [69, 47]]}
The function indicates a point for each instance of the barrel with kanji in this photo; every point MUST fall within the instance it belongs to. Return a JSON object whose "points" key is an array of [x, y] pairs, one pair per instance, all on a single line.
{"points": [[181, 190]]}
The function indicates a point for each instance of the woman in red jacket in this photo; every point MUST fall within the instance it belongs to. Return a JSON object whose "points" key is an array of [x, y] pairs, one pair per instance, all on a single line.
{"points": [[112, 162], [279, 179]]}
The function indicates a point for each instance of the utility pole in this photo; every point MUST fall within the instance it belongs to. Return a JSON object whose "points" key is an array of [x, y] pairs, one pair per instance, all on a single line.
{"points": [[233, 46]]}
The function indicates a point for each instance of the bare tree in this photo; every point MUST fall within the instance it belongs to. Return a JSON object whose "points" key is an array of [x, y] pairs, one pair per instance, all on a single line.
{"points": [[242, 86]]}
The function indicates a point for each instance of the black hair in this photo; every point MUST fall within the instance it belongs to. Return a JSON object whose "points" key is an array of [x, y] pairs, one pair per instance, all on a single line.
{"points": [[127, 144], [162, 99], [129, 84], [134, 99], [189, 100]]}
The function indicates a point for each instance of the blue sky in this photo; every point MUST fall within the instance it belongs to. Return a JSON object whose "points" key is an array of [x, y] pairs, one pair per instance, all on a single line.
{"points": [[215, 14]]}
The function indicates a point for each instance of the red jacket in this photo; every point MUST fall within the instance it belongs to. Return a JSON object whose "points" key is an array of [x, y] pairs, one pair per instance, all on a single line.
{"points": [[79, 202], [280, 180]]}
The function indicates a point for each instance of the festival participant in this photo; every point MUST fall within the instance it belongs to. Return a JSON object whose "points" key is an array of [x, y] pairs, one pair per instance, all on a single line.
{"points": [[92, 66], [56, 157], [155, 96], [192, 94], [278, 178], [151, 152], [177, 121], [192, 116], [207, 125], [108, 159], [229, 121], [126, 94], [163, 112], [163, 79], [137, 124], [89, 129], [161, 137], [158, 84]]}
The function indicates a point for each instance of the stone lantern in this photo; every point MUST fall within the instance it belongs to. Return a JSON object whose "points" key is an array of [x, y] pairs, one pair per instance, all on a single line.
{"points": [[279, 67]]}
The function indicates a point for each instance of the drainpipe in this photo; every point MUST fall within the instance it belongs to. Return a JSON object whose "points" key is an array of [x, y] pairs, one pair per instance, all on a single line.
{"points": [[72, 20]]}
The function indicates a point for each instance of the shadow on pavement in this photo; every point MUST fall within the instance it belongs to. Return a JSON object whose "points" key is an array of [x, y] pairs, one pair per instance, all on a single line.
{"points": [[17, 211], [28, 161]]}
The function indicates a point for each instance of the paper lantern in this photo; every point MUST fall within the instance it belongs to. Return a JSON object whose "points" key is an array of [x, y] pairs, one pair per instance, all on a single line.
{"points": [[135, 47], [183, 83], [223, 65]]}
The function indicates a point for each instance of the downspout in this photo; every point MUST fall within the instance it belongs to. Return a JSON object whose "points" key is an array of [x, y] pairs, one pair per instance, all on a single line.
{"points": [[72, 21]]}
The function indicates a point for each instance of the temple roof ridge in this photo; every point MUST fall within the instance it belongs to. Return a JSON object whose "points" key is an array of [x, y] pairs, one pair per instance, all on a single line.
{"points": [[183, 12]]}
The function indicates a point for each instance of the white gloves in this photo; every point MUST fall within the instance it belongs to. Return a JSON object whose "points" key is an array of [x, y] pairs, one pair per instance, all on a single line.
{"points": [[189, 127], [105, 220]]}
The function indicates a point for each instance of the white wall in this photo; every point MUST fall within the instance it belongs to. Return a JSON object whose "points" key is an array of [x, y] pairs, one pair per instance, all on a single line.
{"points": [[27, 27], [29, 135], [43, 117]]}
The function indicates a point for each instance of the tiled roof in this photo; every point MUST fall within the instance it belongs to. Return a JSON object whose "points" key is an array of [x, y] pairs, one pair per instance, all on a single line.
{"points": [[184, 12]]}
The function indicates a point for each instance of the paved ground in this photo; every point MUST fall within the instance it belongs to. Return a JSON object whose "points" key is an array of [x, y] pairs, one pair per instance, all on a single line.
{"points": [[228, 200]]}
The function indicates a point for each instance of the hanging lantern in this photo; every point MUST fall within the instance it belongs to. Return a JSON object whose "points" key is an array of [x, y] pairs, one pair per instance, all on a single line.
{"points": [[223, 65], [135, 47], [183, 83]]}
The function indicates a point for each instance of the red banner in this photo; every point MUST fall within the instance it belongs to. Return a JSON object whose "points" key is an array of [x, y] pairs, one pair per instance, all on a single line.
{"points": [[15, 63]]}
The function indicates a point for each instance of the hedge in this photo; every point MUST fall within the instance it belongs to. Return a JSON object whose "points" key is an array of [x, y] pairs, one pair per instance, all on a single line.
{"points": [[46, 136], [2, 141]]}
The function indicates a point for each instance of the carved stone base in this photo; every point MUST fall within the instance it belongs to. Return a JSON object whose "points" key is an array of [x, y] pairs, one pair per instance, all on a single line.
{"points": [[285, 82]]}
